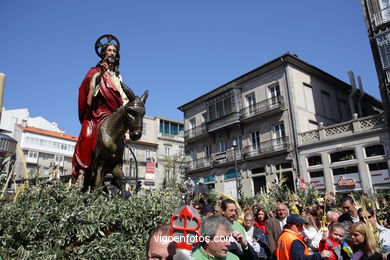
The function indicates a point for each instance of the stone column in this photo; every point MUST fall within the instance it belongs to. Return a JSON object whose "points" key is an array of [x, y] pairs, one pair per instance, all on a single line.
{"points": [[364, 173], [329, 187]]}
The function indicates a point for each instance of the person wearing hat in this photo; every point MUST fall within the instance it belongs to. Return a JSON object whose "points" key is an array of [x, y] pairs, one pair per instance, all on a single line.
{"points": [[290, 244]]}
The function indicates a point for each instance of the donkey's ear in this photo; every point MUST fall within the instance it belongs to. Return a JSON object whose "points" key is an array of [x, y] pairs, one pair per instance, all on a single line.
{"points": [[145, 96]]}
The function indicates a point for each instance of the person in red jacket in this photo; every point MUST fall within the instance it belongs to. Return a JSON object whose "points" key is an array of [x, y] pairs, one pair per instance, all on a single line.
{"points": [[333, 242]]}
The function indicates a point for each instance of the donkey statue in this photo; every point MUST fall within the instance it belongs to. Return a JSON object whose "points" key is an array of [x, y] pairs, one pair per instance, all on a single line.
{"points": [[108, 154]]}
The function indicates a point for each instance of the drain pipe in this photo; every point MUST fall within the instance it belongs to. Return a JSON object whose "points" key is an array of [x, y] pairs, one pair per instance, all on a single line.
{"points": [[351, 93], [361, 95], [293, 121]]}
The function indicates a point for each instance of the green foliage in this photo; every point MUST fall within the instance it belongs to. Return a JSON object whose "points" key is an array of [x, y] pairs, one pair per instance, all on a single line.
{"points": [[54, 222], [210, 197]]}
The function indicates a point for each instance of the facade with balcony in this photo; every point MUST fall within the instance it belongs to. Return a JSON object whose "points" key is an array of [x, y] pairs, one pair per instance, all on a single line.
{"points": [[264, 111], [377, 20], [159, 154], [43, 151], [350, 156]]}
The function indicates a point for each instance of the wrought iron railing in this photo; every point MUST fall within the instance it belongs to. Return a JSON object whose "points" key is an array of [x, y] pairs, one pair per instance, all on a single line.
{"points": [[273, 145], [196, 131], [262, 107]]}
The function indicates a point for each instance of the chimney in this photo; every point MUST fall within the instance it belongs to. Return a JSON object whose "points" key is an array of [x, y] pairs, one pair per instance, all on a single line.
{"points": [[352, 93]]}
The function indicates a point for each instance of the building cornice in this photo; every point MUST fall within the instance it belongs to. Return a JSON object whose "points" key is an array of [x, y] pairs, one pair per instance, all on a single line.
{"points": [[287, 58]]}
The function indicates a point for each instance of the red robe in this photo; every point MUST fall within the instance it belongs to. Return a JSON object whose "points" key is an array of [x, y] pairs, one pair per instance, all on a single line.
{"points": [[103, 104]]}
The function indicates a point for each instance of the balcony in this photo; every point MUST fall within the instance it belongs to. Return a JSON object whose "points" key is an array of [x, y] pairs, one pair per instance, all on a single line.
{"points": [[223, 122], [199, 163], [262, 107], [260, 149], [382, 17], [176, 138], [196, 131], [349, 128], [267, 147]]}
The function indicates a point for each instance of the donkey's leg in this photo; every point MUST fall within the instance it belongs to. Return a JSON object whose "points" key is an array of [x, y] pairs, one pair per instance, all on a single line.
{"points": [[99, 175], [119, 180]]}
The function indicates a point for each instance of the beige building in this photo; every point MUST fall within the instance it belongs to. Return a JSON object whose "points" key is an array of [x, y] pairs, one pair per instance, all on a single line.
{"points": [[159, 153], [265, 111]]}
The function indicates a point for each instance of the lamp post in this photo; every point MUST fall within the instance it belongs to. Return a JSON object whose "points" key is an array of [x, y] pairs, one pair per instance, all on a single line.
{"points": [[234, 145]]}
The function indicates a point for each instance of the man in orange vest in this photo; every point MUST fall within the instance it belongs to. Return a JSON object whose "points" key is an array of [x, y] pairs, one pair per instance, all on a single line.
{"points": [[290, 243]]}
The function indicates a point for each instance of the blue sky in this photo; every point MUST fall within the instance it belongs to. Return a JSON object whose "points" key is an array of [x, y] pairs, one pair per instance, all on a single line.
{"points": [[178, 49]]}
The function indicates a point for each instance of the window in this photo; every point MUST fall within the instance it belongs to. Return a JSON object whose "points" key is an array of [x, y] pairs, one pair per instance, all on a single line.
{"points": [[168, 150], [207, 150], [274, 93], [251, 100], [326, 105], [32, 154], [64, 147], [238, 142], [255, 139], [384, 48], [309, 98], [375, 150], [58, 159], [148, 153], [192, 123], [342, 156], [222, 146], [258, 170], [222, 105], [193, 155], [279, 131], [378, 166], [42, 143], [314, 160], [282, 166], [345, 170], [171, 128], [316, 174]]}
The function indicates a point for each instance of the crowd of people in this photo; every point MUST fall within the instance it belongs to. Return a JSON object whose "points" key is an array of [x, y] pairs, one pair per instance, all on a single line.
{"points": [[321, 231]]}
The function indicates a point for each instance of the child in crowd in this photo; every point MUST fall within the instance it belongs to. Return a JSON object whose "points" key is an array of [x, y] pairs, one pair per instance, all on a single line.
{"points": [[333, 242]]}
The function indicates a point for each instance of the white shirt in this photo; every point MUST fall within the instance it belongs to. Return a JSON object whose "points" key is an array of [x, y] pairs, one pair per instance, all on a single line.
{"points": [[282, 223], [384, 235]]}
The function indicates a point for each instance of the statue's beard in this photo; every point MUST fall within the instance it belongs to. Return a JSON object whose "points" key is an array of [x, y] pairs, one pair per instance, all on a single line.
{"points": [[110, 59]]}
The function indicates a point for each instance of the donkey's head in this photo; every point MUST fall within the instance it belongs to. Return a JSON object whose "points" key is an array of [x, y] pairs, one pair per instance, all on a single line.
{"points": [[135, 112]]}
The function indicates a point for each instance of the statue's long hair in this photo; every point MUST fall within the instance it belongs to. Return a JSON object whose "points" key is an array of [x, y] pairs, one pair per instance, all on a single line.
{"points": [[117, 58]]}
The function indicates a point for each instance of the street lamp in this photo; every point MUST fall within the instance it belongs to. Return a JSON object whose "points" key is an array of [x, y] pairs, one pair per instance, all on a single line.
{"points": [[234, 145]]}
